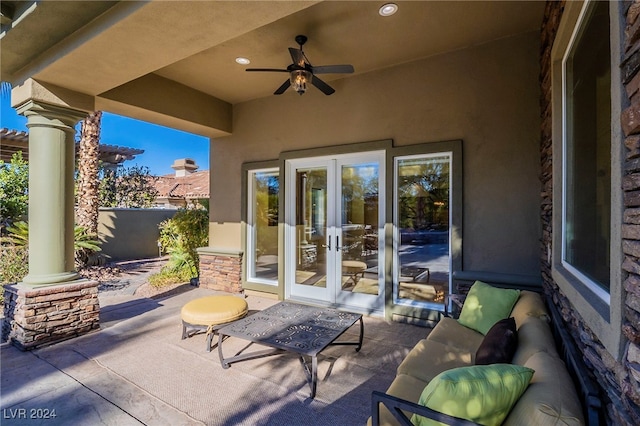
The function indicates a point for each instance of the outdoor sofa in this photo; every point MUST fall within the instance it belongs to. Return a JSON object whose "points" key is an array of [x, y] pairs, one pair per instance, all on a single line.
{"points": [[557, 391]]}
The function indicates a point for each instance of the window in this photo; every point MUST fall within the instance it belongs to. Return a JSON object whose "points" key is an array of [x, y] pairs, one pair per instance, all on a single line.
{"points": [[586, 212], [588, 165], [423, 224], [262, 226]]}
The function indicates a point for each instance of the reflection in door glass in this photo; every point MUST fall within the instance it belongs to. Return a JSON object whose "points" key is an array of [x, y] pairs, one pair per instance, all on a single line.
{"points": [[359, 244], [422, 185], [311, 226]]}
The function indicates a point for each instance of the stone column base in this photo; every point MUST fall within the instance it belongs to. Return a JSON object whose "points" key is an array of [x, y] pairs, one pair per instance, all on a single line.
{"points": [[220, 269], [38, 316]]}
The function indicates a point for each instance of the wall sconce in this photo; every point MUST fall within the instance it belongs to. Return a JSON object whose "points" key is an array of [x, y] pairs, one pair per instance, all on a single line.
{"points": [[299, 80]]}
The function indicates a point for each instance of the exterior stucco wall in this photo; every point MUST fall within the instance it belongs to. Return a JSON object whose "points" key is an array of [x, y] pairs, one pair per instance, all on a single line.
{"points": [[486, 95], [128, 234]]}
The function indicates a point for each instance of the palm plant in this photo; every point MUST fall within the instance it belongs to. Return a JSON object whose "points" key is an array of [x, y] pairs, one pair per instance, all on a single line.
{"points": [[19, 233], [87, 183], [85, 244]]}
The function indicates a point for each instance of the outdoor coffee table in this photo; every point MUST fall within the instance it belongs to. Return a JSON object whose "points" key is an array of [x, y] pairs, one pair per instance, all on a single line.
{"points": [[291, 327]]}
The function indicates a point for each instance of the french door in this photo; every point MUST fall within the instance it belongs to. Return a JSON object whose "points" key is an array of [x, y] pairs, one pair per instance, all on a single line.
{"points": [[334, 214]]}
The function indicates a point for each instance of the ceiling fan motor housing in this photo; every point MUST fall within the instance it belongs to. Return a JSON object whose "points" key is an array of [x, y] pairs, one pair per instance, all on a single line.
{"points": [[301, 39]]}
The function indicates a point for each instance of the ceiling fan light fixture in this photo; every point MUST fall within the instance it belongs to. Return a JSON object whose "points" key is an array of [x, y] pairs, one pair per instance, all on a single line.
{"points": [[300, 79], [242, 61], [388, 9]]}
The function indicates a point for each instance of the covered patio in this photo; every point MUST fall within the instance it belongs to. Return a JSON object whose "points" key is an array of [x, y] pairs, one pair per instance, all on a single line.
{"points": [[501, 138]]}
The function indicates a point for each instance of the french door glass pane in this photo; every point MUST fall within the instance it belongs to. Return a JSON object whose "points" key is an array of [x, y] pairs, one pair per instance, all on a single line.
{"points": [[311, 226], [265, 190], [422, 221], [359, 218], [587, 216]]}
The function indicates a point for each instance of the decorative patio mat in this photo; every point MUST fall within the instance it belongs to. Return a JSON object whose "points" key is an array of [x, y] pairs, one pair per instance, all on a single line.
{"points": [[144, 351]]}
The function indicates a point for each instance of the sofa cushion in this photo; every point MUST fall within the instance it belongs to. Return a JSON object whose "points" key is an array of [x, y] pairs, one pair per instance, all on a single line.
{"points": [[405, 387], [529, 304], [450, 332], [481, 393], [485, 305], [427, 359], [499, 344], [534, 335], [551, 398]]}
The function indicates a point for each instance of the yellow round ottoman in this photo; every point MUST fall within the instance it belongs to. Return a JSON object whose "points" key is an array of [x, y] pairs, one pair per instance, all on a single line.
{"points": [[210, 313]]}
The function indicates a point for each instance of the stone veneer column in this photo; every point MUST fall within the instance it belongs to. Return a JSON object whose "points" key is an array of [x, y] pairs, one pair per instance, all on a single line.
{"points": [[52, 303], [221, 269]]}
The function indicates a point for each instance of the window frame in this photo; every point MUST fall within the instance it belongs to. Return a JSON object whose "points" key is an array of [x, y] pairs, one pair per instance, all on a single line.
{"points": [[603, 318], [591, 285]]}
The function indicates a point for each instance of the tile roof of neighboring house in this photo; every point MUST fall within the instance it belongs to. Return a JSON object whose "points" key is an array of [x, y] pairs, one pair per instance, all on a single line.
{"points": [[191, 186]]}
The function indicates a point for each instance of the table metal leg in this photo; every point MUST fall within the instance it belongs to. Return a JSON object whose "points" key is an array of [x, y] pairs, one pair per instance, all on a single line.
{"points": [[361, 335], [311, 373], [224, 364], [314, 375]]}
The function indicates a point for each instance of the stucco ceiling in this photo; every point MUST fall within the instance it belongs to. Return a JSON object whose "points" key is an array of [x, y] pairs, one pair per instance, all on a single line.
{"points": [[173, 62], [94, 47]]}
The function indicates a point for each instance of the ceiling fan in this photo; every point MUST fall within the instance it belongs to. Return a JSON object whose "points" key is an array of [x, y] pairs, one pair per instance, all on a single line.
{"points": [[301, 72]]}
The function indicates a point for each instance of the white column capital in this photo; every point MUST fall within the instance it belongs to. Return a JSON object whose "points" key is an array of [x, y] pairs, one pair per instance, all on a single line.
{"points": [[42, 114]]}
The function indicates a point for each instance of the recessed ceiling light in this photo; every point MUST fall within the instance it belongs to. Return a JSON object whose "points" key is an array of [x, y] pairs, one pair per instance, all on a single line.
{"points": [[388, 9], [243, 61]]}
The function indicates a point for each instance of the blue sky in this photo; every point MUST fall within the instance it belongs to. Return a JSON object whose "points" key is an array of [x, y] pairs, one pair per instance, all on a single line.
{"points": [[161, 145]]}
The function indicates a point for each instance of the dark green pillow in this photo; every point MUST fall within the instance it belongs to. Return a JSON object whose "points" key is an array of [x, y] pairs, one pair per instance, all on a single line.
{"points": [[480, 393], [485, 305]]}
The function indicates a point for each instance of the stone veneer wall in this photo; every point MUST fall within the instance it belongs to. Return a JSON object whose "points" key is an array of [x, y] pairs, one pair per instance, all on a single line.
{"points": [[40, 316], [220, 270], [620, 381]]}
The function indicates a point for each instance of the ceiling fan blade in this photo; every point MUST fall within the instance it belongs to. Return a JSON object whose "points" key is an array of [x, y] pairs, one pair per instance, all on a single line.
{"points": [[280, 90], [297, 56], [324, 87], [266, 69], [333, 69]]}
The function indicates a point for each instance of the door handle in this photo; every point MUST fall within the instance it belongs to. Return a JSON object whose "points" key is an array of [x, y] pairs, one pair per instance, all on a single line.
{"points": [[327, 246], [338, 243]]}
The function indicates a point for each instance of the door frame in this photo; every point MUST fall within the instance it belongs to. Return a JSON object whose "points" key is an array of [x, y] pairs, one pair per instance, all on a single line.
{"points": [[332, 293], [326, 151]]}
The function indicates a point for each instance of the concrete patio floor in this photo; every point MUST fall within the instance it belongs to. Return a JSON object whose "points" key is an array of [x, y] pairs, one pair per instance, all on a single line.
{"points": [[137, 370]]}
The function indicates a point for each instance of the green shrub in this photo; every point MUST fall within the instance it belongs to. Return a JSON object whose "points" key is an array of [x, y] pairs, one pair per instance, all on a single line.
{"points": [[181, 235], [14, 265], [14, 192], [166, 277]]}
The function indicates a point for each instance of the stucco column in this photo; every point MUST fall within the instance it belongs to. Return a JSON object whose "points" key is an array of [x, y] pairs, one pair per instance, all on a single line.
{"points": [[51, 192]]}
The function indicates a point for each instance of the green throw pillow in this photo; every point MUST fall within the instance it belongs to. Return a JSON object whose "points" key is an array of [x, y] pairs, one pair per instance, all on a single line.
{"points": [[481, 393], [486, 305]]}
